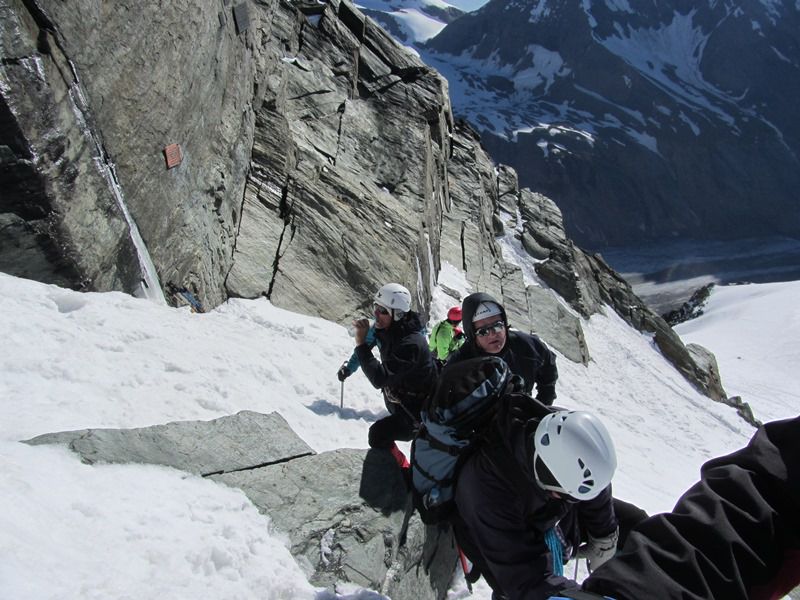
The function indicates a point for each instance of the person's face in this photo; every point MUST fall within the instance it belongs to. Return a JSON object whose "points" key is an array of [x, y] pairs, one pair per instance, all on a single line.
{"points": [[490, 334], [383, 316]]}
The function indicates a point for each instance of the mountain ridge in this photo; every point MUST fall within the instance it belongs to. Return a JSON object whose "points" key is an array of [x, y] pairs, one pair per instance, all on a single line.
{"points": [[633, 117]]}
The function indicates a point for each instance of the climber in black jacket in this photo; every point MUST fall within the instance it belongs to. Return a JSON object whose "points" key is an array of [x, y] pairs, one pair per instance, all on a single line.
{"points": [[487, 333], [531, 494], [406, 372]]}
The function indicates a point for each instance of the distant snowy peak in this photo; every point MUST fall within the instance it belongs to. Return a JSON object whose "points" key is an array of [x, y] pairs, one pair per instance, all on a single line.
{"points": [[411, 21], [637, 105], [503, 61]]}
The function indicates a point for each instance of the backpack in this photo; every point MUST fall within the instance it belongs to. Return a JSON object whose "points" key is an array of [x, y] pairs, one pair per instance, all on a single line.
{"points": [[455, 420]]}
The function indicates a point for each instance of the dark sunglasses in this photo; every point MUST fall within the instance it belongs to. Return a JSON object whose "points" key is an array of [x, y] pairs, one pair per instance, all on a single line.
{"points": [[379, 310], [495, 327]]}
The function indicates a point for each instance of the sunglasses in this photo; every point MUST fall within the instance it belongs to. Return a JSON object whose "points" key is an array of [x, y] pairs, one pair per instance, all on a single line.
{"points": [[495, 327], [379, 310]]}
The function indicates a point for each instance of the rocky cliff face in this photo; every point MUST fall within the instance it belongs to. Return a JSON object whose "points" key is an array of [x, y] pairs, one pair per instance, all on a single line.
{"points": [[317, 160], [642, 120]]}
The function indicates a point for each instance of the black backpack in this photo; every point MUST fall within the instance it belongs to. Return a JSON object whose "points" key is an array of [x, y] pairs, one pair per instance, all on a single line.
{"points": [[455, 420]]}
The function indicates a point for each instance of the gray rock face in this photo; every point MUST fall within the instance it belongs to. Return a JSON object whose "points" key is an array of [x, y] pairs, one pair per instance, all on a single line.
{"points": [[61, 219], [245, 440], [347, 513], [319, 161], [348, 168], [348, 517], [95, 101]]}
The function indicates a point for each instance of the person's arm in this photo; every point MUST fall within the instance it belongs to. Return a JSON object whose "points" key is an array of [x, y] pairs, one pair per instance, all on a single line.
{"points": [[432, 339], [597, 515], [353, 363], [456, 342], [396, 368], [735, 534], [546, 375]]}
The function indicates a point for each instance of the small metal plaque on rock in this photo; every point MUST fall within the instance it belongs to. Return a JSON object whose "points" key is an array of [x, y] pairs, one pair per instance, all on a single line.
{"points": [[173, 155]]}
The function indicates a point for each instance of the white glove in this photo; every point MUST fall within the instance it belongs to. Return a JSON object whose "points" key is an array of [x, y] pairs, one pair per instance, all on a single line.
{"points": [[597, 551]]}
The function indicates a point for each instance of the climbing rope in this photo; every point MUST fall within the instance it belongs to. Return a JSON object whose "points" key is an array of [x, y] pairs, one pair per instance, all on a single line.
{"points": [[554, 545]]}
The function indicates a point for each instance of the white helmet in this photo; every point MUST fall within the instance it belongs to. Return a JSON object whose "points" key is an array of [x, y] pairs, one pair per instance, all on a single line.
{"points": [[396, 298], [573, 454]]}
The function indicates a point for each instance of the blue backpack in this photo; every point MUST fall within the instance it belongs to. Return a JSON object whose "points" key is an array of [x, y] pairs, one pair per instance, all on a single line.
{"points": [[455, 420]]}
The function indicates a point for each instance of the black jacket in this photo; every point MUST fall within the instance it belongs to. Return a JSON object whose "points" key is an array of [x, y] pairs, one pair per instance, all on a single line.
{"points": [[406, 371], [734, 535], [503, 515], [525, 354]]}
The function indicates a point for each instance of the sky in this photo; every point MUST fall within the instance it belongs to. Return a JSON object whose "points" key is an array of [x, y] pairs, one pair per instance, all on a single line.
{"points": [[91, 360]]}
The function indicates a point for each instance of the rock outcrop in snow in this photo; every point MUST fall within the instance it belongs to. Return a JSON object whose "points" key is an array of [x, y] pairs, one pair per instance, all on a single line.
{"points": [[347, 513]]}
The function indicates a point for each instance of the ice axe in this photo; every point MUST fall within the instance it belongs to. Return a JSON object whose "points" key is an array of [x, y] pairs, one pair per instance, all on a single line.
{"points": [[341, 397]]}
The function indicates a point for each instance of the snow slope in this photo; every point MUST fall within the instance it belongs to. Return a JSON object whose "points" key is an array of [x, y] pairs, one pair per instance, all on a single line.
{"points": [[753, 332], [70, 360]]}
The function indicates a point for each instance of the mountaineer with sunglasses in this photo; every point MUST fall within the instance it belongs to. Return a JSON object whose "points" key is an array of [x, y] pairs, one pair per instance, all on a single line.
{"points": [[487, 333], [406, 372]]}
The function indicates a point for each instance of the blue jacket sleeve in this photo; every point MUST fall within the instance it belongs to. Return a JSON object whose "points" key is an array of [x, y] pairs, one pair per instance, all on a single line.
{"points": [[370, 341]]}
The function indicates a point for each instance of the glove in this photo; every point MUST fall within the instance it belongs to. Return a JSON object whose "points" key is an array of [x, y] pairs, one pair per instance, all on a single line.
{"points": [[343, 373], [546, 394], [515, 410], [597, 551]]}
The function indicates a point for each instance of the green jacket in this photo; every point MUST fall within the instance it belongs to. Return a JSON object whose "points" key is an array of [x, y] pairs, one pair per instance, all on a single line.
{"points": [[443, 341]]}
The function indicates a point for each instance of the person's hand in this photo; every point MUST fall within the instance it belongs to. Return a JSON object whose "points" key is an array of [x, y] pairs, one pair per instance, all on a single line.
{"points": [[598, 551], [343, 372], [361, 327], [515, 410]]}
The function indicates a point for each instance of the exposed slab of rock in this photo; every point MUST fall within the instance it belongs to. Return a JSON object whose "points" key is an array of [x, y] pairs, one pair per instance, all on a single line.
{"points": [[56, 187], [348, 516], [347, 513], [95, 97], [347, 174], [556, 324], [242, 441]]}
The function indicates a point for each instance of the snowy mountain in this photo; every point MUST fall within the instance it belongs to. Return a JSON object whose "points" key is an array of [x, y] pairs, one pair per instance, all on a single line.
{"points": [[411, 21], [642, 120], [73, 530]]}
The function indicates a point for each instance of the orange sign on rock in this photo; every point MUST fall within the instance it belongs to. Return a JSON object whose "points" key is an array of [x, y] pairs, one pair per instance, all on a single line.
{"points": [[173, 155]]}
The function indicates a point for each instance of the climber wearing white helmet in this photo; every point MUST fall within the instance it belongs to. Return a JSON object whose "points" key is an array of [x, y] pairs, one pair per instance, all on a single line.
{"points": [[537, 493], [406, 371]]}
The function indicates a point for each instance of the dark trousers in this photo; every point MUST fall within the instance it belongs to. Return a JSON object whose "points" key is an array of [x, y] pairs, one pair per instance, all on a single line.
{"points": [[628, 515], [384, 432]]}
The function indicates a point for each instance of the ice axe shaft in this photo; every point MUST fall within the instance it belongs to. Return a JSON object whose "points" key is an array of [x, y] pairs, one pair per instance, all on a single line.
{"points": [[341, 397]]}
